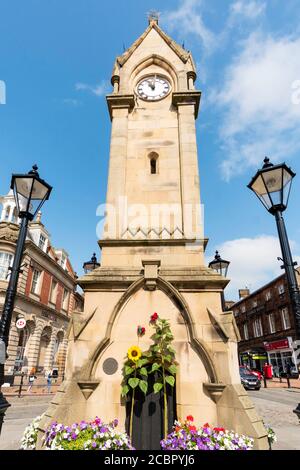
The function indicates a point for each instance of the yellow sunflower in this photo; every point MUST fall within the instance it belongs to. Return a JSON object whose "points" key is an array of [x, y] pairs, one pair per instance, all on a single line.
{"points": [[134, 353]]}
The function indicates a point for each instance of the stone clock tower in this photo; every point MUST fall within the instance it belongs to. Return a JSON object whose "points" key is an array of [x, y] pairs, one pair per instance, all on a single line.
{"points": [[153, 255]]}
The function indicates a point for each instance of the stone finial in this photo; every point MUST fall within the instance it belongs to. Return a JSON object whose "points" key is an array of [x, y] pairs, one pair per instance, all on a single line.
{"points": [[39, 217], [153, 16]]}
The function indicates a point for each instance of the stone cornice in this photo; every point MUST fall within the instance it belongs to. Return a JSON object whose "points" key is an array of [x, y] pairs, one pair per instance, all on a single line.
{"points": [[180, 98], [38, 304], [9, 232], [153, 242], [115, 101], [191, 279]]}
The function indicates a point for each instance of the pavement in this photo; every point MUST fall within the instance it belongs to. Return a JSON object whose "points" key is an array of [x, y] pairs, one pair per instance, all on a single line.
{"points": [[274, 405]]}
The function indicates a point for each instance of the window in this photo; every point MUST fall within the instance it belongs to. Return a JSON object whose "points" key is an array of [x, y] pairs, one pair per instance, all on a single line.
{"points": [[63, 261], [272, 325], [257, 328], [153, 156], [246, 332], [285, 318], [254, 303], [15, 216], [42, 242], [65, 299], [53, 294], [6, 260], [268, 295], [243, 308], [281, 289], [7, 213], [35, 281]]}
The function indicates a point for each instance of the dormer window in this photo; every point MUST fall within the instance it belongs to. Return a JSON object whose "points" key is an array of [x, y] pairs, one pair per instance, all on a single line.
{"points": [[63, 260], [42, 242]]}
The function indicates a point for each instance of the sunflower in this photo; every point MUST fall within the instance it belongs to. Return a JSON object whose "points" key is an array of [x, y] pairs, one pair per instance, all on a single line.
{"points": [[134, 353]]}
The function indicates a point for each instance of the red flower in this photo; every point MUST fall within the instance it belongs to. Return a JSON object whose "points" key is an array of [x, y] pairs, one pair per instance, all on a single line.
{"points": [[177, 428], [192, 428], [190, 418], [154, 317], [219, 429], [141, 330], [206, 425]]}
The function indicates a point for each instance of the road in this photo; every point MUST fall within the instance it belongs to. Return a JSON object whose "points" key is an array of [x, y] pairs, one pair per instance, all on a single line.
{"points": [[275, 406]]}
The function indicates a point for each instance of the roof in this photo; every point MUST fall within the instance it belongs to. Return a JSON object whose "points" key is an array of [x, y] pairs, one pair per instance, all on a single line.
{"points": [[180, 51]]}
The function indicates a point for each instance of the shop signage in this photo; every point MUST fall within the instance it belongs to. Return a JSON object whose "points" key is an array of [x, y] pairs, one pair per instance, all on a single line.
{"points": [[20, 323], [275, 345]]}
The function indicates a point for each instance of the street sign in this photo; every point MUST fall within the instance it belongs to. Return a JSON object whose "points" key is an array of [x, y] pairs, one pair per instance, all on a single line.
{"points": [[21, 323]]}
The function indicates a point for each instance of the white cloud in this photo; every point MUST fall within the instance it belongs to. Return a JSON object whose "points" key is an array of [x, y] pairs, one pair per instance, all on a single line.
{"points": [[98, 90], [259, 115], [249, 9], [253, 262], [188, 19]]}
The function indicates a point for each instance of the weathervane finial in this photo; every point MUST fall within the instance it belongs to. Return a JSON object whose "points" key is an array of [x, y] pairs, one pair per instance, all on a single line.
{"points": [[153, 16]]}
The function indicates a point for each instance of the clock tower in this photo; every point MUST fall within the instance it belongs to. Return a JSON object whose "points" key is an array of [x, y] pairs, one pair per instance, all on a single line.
{"points": [[152, 260]]}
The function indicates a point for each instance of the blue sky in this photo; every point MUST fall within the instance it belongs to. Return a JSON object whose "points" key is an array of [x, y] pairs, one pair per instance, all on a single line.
{"points": [[56, 60]]}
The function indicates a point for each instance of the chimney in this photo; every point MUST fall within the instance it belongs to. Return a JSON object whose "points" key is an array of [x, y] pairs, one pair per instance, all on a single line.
{"points": [[243, 293]]}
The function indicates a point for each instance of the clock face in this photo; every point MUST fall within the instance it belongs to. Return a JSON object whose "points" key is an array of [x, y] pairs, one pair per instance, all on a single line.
{"points": [[153, 88]]}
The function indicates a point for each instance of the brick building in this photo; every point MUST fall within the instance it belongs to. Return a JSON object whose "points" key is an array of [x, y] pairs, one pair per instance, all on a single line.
{"points": [[266, 325], [46, 295]]}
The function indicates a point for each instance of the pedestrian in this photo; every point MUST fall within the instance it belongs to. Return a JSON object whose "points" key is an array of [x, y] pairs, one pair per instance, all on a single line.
{"points": [[49, 383], [31, 380]]}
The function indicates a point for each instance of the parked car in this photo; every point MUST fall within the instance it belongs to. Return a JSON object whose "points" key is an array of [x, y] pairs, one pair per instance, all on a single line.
{"points": [[256, 372], [249, 380]]}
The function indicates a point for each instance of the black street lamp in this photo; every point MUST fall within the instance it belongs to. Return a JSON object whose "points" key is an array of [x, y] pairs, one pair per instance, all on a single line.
{"points": [[221, 266], [272, 185], [30, 193], [89, 266]]}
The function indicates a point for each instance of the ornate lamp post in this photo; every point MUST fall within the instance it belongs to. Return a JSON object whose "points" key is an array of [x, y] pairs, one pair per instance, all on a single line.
{"points": [[272, 186], [89, 266], [221, 266], [30, 193]]}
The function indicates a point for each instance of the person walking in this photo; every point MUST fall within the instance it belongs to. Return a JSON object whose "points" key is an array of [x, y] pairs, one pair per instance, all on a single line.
{"points": [[31, 380], [49, 382]]}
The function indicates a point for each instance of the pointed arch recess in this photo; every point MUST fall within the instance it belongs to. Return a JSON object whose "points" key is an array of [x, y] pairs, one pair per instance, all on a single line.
{"points": [[179, 302], [156, 60]]}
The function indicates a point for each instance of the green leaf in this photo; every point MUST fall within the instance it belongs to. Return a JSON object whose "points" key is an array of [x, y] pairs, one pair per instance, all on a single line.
{"points": [[142, 362], [172, 369], [157, 387], [168, 358], [170, 349], [143, 386], [133, 382], [155, 367], [143, 371], [128, 370], [170, 380], [125, 390]]}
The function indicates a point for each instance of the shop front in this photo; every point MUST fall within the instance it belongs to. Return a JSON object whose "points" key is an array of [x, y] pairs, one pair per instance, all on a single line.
{"points": [[280, 354]]}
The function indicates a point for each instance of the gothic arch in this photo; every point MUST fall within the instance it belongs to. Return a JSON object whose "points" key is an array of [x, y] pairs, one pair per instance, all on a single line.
{"points": [[182, 306], [156, 60]]}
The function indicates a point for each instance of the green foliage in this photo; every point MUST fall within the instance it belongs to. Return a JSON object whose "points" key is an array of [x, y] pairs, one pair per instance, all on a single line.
{"points": [[143, 386], [157, 387], [170, 380], [133, 382]]}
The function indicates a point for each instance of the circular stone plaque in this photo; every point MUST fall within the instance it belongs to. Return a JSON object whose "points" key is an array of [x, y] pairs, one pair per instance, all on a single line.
{"points": [[110, 366]]}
